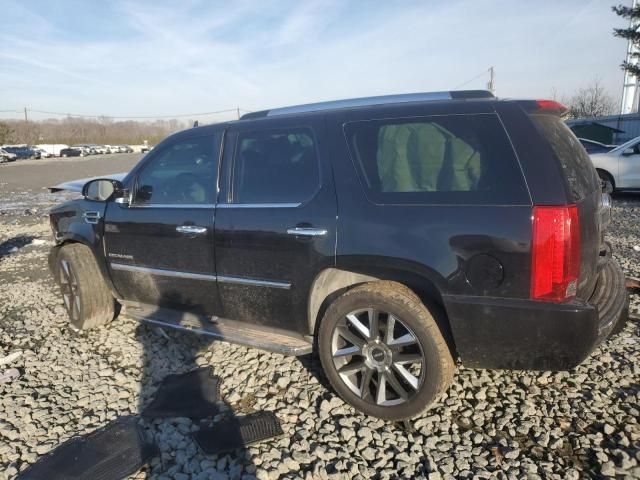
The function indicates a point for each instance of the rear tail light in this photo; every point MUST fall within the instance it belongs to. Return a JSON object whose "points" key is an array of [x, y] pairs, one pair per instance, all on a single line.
{"points": [[555, 246], [551, 105]]}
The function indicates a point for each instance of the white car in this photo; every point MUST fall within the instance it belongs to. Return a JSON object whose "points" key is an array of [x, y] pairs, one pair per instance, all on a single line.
{"points": [[620, 167], [7, 156], [101, 149], [44, 153], [113, 148]]}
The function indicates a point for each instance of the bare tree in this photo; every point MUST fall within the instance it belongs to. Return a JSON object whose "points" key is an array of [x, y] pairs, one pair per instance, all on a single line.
{"points": [[75, 130], [6, 133], [592, 101]]}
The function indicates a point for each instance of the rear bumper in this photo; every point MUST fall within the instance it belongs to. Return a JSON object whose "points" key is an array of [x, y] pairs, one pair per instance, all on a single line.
{"points": [[532, 335]]}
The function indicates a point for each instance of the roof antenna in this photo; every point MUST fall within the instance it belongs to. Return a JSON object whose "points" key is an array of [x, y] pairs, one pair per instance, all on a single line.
{"points": [[195, 124]]}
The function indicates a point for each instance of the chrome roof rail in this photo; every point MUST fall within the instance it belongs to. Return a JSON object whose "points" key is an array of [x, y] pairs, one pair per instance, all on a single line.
{"points": [[369, 101]]}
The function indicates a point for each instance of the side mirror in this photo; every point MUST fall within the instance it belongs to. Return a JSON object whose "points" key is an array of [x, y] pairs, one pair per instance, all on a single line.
{"points": [[629, 151], [101, 189]]}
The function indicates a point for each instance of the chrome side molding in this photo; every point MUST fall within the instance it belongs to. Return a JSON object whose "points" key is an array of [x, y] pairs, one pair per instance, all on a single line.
{"points": [[254, 281], [201, 276], [163, 272]]}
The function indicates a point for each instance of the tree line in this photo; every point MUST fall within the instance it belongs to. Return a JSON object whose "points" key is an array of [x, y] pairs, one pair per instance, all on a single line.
{"points": [[77, 130]]}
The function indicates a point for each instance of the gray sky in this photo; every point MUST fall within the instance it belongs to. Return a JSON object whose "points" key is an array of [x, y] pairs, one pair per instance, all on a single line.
{"points": [[158, 58]]}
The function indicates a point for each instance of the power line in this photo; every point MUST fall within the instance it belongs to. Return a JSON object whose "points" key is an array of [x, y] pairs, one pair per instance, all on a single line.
{"points": [[471, 80], [181, 115]]}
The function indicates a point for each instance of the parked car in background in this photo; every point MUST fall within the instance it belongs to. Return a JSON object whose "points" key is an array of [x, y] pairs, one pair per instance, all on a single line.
{"points": [[85, 150], [619, 168], [52, 148], [125, 149], [88, 149], [591, 146], [70, 152], [7, 156], [101, 149], [43, 153], [22, 152], [392, 234]]}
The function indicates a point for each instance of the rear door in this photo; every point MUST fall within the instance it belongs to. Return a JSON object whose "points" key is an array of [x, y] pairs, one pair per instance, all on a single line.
{"points": [[160, 246], [276, 220]]}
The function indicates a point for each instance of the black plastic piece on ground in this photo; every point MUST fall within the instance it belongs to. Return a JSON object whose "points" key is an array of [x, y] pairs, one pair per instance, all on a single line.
{"points": [[406, 426], [111, 453], [237, 432], [194, 395]]}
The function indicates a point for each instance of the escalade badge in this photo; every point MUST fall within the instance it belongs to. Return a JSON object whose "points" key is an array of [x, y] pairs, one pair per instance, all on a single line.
{"points": [[120, 255]]}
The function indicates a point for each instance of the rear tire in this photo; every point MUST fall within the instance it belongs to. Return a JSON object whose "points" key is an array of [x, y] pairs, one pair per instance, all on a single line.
{"points": [[607, 179], [85, 295], [383, 352]]}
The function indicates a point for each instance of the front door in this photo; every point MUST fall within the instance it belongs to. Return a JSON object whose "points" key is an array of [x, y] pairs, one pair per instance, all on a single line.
{"points": [[276, 221], [629, 168], [160, 247]]}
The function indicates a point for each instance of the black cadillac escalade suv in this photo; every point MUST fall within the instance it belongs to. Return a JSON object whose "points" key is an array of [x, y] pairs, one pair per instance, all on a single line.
{"points": [[389, 234]]}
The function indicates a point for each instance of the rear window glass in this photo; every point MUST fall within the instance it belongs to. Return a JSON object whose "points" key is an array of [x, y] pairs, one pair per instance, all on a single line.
{"points": [[275, 166], [576, 164], [444, 159]]}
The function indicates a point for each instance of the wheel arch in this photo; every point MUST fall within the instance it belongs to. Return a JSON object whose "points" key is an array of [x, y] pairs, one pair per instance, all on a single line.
{"points": [[332, 282], [70, 238], [611, 175]]}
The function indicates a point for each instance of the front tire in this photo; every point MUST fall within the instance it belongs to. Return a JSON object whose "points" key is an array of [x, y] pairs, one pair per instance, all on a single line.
{"points": [[85, 295], [383, 352]]}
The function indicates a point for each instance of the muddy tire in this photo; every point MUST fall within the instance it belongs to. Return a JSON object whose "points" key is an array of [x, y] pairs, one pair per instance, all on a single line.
{"points": [[383, 352], [85, 295]]}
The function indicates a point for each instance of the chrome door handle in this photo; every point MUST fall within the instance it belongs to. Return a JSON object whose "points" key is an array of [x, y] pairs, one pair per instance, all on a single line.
{"points": [[191, 229], [307, 232]]}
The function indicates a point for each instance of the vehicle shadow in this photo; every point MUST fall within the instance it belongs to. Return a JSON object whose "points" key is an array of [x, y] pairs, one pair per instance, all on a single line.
{"points": [[168, 351]]}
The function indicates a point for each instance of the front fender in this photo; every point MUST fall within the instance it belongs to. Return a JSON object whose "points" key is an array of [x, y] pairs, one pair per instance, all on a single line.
{"points": [[71, 224]]}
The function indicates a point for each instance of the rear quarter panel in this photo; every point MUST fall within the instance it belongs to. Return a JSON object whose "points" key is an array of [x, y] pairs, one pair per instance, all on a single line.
{"points": [[436, 242]]}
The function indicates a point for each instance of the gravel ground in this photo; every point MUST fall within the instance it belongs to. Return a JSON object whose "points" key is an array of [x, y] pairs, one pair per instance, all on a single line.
{"points": [[490, 424]]}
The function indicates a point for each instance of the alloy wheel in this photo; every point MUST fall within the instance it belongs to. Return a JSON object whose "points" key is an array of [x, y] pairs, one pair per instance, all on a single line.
{"points": [[378, 357], [70, 291]]}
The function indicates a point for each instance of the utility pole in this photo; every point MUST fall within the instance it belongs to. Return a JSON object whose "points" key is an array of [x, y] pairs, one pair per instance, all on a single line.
{"points": [[238, 112], [491, 85], [25, 115]]}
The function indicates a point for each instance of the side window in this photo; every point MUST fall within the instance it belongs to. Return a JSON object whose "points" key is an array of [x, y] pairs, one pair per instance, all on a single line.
{"points": [[275, 166], [182, 173], [444, 159]]}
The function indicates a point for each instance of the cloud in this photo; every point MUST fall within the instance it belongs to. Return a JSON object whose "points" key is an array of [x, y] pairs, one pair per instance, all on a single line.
{"points": [[147, 58]]}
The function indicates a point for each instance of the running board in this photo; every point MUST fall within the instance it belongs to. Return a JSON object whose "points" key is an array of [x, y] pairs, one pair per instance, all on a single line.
{"points": [[231, 331]]}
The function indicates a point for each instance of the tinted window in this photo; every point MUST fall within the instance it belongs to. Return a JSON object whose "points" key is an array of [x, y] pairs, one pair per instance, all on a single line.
{"points": [[275, 166], [181, 173], [448, 159], [576, 164]]}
